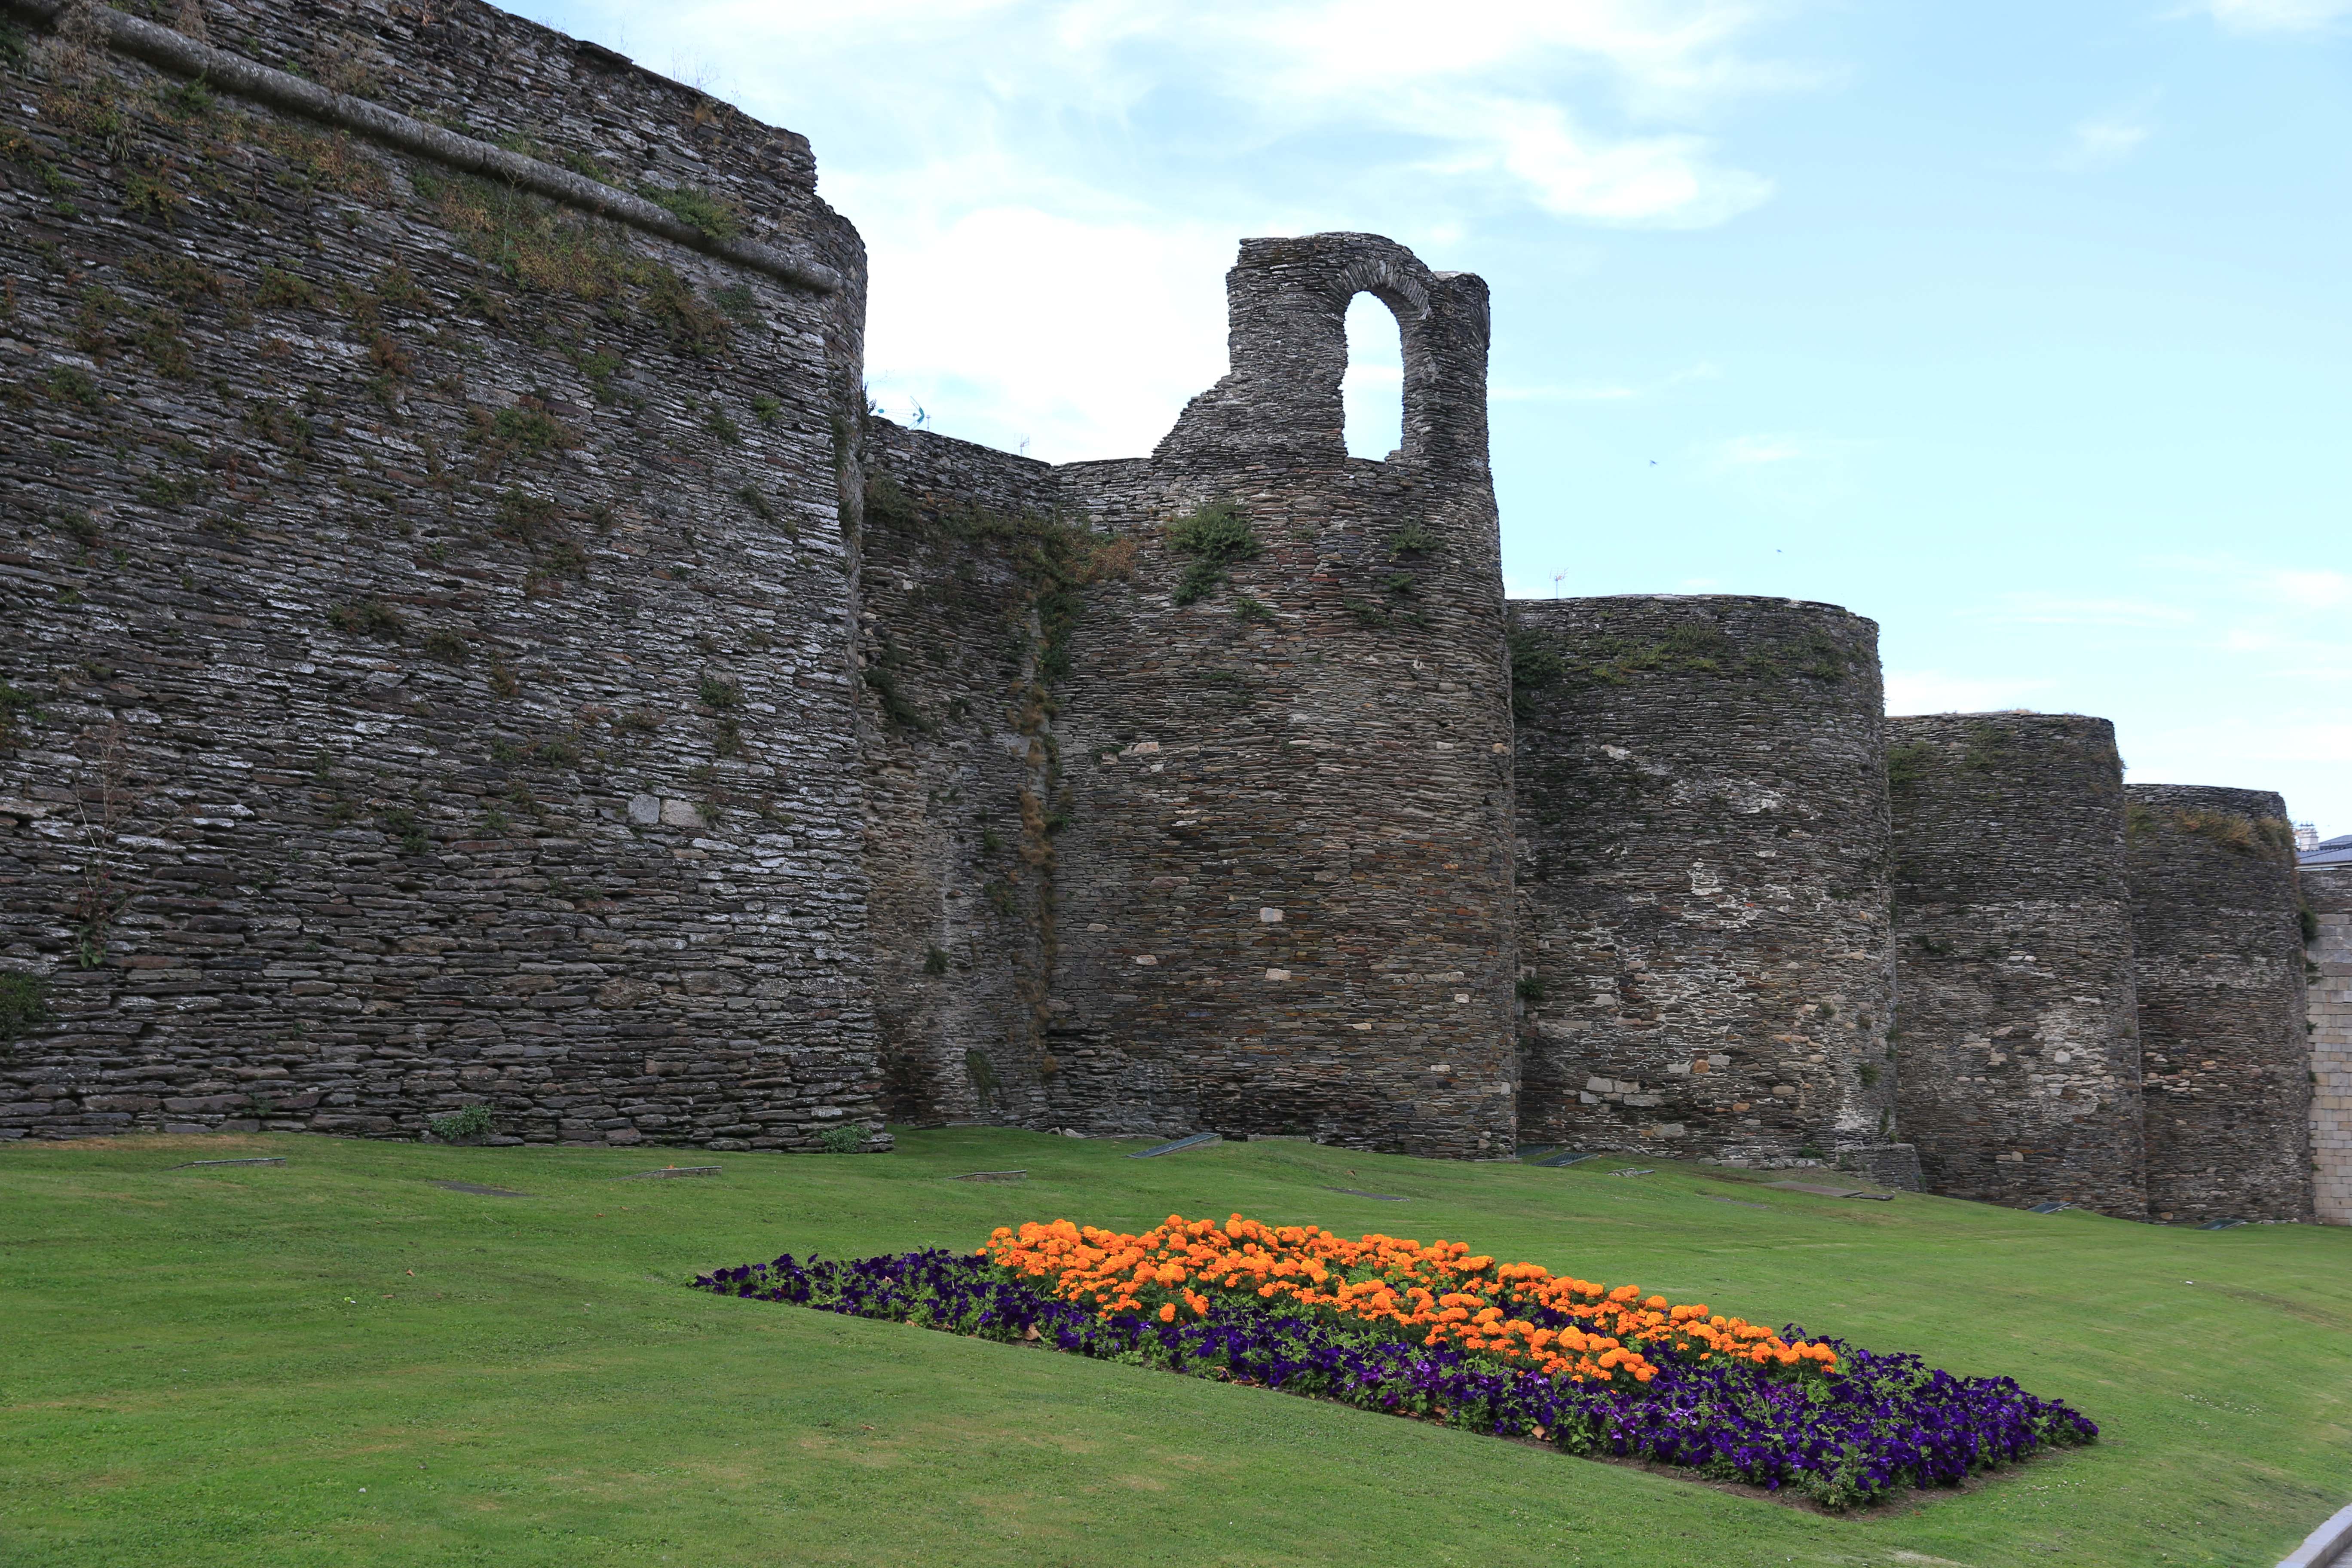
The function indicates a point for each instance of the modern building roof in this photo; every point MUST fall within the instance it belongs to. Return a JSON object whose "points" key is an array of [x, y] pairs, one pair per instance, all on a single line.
{"points": [[2336, 851]]}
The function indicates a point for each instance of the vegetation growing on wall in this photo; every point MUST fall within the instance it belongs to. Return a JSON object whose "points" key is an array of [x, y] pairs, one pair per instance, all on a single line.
{"points": [[542, 245], [1906, 765], [2268, 837], [1217, 537], [1536, 664], [1025, 575], [23, 1003]]}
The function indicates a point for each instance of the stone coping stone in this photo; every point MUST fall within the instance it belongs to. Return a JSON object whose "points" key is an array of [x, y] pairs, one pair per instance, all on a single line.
{"points": [[1197, 1140], [191, 1164], [1357, 1192], [477, 1188], [994, 1176], [1645, 1170], [1818, 1191], [2331, 1543], [669, 1171]]}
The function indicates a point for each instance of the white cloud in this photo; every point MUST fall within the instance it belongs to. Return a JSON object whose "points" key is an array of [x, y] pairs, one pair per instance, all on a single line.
{"points": [[2311, 590], [1932, 691], [1660, 182], [2103, 140], [2278, 15], [1012, 324], [1050, 190]]}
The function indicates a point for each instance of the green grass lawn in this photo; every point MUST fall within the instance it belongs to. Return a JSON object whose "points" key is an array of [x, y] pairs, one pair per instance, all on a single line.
{"points": [[336, 1362]]}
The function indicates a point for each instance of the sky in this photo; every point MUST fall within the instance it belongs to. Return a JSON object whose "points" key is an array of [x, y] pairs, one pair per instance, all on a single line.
{"points": [[2020, 327]]}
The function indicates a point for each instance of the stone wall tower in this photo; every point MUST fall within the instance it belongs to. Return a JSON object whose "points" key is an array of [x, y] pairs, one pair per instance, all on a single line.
{"points": [[2018, 1051], [2327, 895], [1284, 885], [424, 666], [2218, 964], [1703, 894]]}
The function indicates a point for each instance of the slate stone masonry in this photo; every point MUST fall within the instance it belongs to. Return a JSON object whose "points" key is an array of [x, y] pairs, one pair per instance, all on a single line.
{"points": [[1272, 891], [1702, 881], [2225, 1060], [954, 743], [427, 657], [2017, 1047], [2327, 893], [468, 641]]}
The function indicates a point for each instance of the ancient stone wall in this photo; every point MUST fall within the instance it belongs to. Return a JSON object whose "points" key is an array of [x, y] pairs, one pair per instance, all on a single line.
{"points": [[1195, 810], [963, 552], [1278, 768], [2225, 1060], [1703, 895], [2327, 894], [426, 667], [2017, 1049]]}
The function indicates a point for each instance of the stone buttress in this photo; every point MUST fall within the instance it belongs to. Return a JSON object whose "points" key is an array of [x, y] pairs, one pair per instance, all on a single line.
{"points": [[1703, 897], [2328, 898], [2225, 1062], [2017, 1043]]}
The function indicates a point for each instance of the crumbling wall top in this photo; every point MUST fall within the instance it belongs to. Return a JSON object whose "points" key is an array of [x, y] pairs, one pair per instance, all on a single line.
{"points": [[1287, 302]]}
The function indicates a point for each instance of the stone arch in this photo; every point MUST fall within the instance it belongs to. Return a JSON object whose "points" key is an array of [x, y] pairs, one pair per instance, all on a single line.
{"points": [[1371, 388], [1287, 336]]}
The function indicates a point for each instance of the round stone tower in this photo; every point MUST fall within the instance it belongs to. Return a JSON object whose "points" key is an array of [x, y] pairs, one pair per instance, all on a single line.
{"points": [[1278, 759], [1702, 853], [2018, 1048], [2327, 874], [2225, 1057]]}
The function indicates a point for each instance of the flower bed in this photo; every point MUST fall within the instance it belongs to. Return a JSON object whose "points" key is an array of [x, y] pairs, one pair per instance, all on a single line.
{"points": [[1562, 1327], [1833, 1423]]}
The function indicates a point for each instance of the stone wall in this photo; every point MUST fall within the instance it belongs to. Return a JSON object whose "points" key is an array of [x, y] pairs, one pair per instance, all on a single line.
{"points": [[2327, 893], [1702, 890], [1285, 895], [2018, 1054], [961, 543], [427, 655], [1239, 811], [2225, 1058]]}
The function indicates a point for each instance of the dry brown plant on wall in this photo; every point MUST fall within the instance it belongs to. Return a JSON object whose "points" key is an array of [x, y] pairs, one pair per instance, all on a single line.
{"points": [[105, 889]]}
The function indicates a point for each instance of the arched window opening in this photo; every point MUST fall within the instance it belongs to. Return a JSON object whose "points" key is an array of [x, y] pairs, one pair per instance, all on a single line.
{"points": [[1372, 393]]}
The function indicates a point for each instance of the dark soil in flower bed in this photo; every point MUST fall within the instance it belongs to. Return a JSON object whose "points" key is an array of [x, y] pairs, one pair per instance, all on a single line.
{"points": [[1876, 1427]]}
